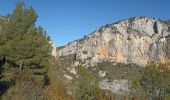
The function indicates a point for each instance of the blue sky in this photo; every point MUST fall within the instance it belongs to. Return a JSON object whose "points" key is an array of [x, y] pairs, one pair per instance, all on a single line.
{"points": [[68, 20]]}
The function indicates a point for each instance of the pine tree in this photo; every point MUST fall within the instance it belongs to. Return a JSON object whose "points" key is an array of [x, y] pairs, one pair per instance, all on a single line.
{"points": [[24, 46]]}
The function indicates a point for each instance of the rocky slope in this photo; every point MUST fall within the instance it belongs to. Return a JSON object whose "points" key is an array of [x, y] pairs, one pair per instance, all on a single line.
{"points": [[136, 40]]}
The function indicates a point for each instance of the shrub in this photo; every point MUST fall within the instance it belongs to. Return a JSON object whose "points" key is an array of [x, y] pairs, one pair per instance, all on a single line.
{"points": [[155, 81], [86, 88]]}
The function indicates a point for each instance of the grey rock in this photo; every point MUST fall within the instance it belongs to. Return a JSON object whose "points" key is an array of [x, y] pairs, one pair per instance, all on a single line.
{"points": [[137, 40], [116, 86]]}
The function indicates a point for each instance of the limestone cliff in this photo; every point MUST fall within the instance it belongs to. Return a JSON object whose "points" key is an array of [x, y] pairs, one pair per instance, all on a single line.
{"points": [[53, 52], [136, 40]]}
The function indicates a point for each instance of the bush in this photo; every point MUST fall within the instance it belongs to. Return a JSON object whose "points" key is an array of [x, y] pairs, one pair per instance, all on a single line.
{"points": [[155, 83], [86, 88]]}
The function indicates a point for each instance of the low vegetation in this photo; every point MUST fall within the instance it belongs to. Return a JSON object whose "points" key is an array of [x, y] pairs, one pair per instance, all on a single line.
{"points": [[154, 84], [120, 70], [87, 87]]}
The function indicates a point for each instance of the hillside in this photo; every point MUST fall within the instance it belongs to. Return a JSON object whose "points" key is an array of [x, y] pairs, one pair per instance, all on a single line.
{"points": [[125, 60], [118, 56]]}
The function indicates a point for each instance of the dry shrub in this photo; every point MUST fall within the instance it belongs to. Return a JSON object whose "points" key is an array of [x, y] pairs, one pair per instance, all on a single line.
{"points": [[57, 91], [24, 88], [57, 88]]}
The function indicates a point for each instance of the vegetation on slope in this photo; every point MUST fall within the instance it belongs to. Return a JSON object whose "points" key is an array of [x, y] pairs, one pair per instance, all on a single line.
{"points": [[26, 65], [154, 83], [28, 72]]}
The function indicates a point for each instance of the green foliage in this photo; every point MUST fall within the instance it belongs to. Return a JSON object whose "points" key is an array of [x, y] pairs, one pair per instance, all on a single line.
{"points": [[156, 80], [155, 83], [120, 70], [22, 43], [136, 90], [27, 86], [24, 46], [86, 89]]}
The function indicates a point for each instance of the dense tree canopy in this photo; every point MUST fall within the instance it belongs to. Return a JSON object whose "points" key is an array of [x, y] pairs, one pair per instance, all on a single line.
{"points": [[25, 49], [22, 43]]}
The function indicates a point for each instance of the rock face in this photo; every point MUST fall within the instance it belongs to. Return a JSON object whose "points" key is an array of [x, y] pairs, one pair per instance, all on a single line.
{"points": [[136, 40], [53, 52], [116, 86]]}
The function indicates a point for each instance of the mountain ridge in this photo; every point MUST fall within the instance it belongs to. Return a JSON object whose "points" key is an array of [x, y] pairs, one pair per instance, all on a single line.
{"points": [[116, 22], [111, 39]]}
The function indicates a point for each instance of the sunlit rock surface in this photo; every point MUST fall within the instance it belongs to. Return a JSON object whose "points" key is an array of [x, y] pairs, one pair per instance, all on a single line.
{"points": [[136, 40]]}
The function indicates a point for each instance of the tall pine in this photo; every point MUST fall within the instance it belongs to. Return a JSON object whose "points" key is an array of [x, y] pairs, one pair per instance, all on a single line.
{"points": [[24, 47], [22, 43]]}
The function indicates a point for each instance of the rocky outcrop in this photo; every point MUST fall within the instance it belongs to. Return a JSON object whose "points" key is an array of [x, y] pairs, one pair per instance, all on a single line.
{"points": [[116, 86], [168, 46], [53, 52], [136, 40]]}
